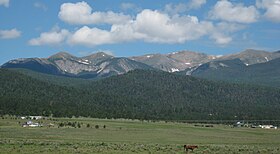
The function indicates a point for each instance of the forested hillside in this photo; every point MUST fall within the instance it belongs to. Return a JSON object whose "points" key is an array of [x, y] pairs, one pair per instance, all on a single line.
{"points": [[138, 94], [266, 74]]}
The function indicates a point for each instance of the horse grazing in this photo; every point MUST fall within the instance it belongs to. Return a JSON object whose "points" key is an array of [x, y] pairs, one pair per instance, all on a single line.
{"points": [[191, 147]]}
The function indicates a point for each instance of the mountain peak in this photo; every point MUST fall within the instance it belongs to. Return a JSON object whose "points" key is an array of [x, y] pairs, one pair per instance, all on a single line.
{"points": [[98, 55], [63, 55], [253, 51]]}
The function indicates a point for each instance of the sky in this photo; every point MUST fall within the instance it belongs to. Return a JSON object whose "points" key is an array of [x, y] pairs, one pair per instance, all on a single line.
{"points": [[40, 28]]}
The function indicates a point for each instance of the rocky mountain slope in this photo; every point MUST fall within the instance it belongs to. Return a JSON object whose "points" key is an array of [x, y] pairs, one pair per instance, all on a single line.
{"points": [[185, 62], [250, 56], [62, 63], [175, 61]]}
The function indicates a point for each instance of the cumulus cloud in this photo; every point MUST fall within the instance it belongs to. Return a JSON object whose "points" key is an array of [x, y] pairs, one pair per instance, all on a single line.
{"points": [[227, 11], [92, 37], [272, 8], [54, 37], [149, 26], [81, 13], [5, 2], [156, 27], [95, 36], [9, 34], [160, 27]]}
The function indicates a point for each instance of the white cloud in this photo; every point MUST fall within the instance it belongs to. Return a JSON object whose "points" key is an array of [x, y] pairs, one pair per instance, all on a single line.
{"points": [[5, 2], [229, 27], [162, 28], [92, 37], [9, 34], [222, 31], [81, 13], [149, 26], [221, 39], [227, 11], [54, 37], [40, 6], [272, 9]]}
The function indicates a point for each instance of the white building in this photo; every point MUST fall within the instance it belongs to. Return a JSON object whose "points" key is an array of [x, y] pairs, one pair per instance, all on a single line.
{"points": [[31, 124], [36, 117], [268, 127]]}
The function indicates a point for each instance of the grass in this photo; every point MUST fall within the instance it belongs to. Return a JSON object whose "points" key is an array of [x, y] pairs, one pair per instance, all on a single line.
{"points": [[132, 136]]}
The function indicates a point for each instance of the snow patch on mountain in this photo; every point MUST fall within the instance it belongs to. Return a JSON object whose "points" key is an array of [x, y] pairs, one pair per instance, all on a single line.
{"points": [[174, 70], [266, 58]]}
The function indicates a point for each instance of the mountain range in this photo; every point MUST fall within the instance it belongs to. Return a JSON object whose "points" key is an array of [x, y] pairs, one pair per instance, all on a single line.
{"points": [[176, 86], [92, 66], [249, 66]]}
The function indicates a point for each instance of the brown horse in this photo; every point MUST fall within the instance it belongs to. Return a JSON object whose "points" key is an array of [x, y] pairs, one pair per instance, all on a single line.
{"points": [[191, 147]]}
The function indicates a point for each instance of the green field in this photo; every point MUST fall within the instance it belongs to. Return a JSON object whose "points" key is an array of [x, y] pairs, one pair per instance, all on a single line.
{"points": [[132, 136]]}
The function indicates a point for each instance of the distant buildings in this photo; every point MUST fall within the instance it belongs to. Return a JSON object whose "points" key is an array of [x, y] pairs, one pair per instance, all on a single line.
{"points": [[30, 123], [35, 117], [242, 124], [31, 117]]}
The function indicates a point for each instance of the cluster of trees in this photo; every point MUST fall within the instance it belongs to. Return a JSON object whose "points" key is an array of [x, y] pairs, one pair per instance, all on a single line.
{"points": [[77, 125], [137, 95], [70, 124]]}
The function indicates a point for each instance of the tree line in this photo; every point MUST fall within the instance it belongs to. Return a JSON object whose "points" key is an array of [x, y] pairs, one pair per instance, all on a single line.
{"points": [[140, 94]]}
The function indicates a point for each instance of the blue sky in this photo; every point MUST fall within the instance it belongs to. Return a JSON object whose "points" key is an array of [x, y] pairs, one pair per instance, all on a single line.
{"points": [[40, 28]]}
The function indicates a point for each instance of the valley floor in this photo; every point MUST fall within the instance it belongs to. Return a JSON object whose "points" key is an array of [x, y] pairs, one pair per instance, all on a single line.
{"points": [[88, 135]]}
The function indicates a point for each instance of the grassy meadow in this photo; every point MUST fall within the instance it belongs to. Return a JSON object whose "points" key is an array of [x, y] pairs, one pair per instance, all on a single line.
{"points": [[88, 135]]}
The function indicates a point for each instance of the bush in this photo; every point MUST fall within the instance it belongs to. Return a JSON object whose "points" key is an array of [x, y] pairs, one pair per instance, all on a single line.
{"points": [[61, 124]]}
